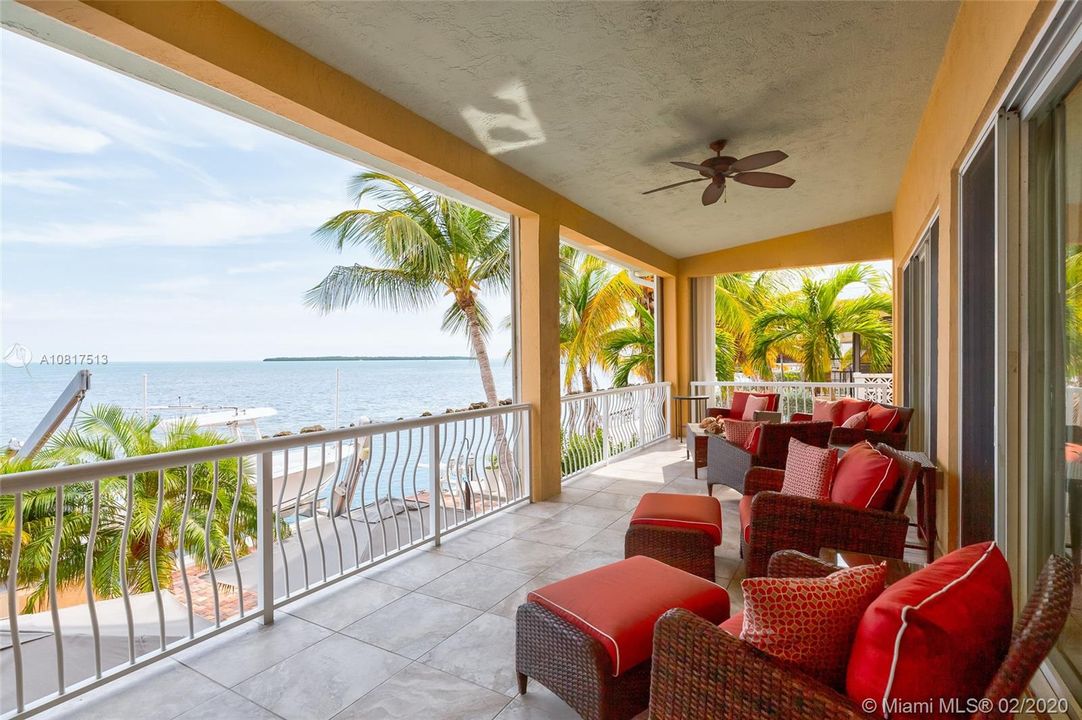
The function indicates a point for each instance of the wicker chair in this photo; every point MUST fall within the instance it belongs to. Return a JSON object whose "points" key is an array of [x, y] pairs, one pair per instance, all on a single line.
{"points": [[700, 672], [847, 437], [727, 464], [788, 522]]}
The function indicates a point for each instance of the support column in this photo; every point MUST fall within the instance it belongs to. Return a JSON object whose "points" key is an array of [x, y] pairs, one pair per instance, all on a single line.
{"points": [[539, 347], [671, 340], [682, 309]]}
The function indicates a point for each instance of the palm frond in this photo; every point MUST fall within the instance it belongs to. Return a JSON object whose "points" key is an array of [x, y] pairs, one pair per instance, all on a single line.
{"points": [[388, 288]]}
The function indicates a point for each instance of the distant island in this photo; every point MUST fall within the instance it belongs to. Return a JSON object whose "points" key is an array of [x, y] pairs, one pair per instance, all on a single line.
{"points": [[367, 357]]}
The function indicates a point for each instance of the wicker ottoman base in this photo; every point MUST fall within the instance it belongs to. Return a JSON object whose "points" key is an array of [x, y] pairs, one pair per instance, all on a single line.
{"points": [[576, 667], [689, 550]]}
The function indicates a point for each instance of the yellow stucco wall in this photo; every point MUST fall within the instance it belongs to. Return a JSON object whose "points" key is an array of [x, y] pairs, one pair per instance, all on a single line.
{"points": [[986, 45], [863, 239]]}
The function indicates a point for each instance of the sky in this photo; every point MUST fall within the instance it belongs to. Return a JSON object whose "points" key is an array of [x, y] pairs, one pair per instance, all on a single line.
{"points": [[145, 226]]}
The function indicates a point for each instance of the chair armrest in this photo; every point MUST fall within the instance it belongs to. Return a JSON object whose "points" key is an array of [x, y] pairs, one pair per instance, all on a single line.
{"points": [[718, 412], [759, 479], [800, 417], [847, 437], [700, 672], [789, 522], [794, 564]]}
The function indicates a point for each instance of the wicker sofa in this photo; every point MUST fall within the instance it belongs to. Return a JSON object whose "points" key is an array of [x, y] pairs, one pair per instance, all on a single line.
{"points": [[701, 672], [727, 463], [847, 437]]}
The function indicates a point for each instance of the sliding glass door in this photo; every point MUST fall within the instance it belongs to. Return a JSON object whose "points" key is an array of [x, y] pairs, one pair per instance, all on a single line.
{"points": [[1054, 490], [920, 279]]}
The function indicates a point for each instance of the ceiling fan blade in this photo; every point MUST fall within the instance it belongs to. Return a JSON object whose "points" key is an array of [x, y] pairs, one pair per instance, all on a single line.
{"points": [[758, 160], [712, 193], [708, 172], [764, 179], [666, 187]]}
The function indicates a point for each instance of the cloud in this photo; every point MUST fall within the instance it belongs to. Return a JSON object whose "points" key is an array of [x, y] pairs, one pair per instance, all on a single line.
{"points": [[37, 133], [254, 268], [60, 179], [201, 223], [187, 284]]}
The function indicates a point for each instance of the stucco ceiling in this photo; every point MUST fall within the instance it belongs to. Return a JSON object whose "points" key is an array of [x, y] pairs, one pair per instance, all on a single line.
{"points": [[594, 98]]}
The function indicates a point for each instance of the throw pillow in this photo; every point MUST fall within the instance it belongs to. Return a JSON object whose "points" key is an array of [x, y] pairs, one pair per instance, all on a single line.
{"points": [[754, 404], [882, 419], [848, 407], [737, 431], [866, 478], [752, 443], [809, 470], [938, 633], [857, 422], [809, 623], [826, 410]]}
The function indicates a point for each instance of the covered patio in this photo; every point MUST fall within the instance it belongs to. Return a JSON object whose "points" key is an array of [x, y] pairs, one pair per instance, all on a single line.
{"points": [[937, 136]]}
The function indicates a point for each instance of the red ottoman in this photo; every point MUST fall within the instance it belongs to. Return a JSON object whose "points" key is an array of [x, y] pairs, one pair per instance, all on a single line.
{"points": [[678, 530], [588, 638]]}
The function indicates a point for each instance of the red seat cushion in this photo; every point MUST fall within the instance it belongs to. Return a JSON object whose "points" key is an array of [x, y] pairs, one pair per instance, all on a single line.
{"points": [[808, 623], [618, 604], [745, 517], [938, 633], [694, 512], [866, 478], [809, 470], [733, 625], [883, 419], [736, 410]]}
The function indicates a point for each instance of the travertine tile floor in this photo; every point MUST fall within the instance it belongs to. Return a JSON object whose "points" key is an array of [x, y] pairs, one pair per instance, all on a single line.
{"points": [[430, 635]]}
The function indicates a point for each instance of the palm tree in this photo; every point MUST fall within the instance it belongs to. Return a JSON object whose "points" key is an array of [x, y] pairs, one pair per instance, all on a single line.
{"points": [[806, 323], [429, 247], [629, 350], [107, 433], [593, 300], [738, 299]]}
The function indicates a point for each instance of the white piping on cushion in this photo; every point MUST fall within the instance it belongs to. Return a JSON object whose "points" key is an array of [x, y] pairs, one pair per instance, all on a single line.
{"points": [[918, 606]]}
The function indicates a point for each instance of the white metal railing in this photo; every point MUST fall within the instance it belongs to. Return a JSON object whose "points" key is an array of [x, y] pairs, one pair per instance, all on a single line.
{"points": [[596, 427], [795, 397], [181, 546]]}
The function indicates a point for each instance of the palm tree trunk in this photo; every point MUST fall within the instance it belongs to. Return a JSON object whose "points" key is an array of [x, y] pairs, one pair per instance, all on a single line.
{"points": [[480, 351], [592, 417]]}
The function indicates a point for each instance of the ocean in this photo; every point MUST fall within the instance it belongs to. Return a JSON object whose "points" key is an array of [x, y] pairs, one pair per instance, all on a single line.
{"points": [[303, 392]]}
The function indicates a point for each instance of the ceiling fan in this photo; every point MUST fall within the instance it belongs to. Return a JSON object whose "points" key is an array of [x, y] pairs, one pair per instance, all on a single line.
{"points": [[720, 168]]}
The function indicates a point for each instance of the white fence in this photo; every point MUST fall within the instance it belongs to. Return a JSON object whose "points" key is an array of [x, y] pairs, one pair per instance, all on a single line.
{"points": [[796, 397], [598, 426], [181, 546]]}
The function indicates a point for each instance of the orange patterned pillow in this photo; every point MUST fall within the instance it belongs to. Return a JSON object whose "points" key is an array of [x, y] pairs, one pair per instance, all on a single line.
{"points": [[809, 470], [809, 623]]}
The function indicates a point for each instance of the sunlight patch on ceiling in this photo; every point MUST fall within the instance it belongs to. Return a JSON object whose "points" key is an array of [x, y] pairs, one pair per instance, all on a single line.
{"points": [[507, 122]]}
